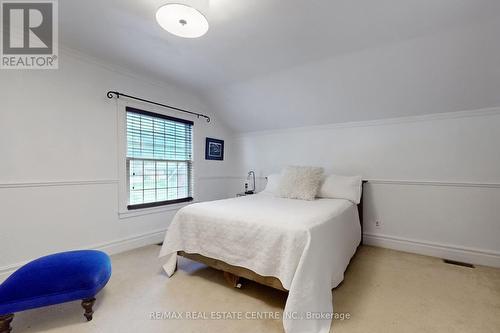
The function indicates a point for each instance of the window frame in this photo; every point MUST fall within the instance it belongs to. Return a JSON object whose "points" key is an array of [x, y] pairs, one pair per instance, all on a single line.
{"points": [[189, 198]]}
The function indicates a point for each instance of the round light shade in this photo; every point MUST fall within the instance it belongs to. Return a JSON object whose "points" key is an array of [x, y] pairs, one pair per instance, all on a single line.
{"points": [[182, 20]]}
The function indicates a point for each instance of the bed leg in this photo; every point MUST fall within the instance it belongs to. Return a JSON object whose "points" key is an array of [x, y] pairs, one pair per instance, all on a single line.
{"points": [[233, 280]]}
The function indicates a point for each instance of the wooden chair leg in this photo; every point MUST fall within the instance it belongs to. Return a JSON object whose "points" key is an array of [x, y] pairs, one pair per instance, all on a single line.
{"points": [[5, 321], [87, 304], [233, 280]]}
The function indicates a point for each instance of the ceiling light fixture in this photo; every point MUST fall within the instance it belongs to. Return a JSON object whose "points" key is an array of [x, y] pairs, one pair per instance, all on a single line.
{"points": [[182, 20]]}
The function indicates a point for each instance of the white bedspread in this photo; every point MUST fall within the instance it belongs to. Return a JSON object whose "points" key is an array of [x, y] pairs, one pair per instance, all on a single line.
{"points": [[306, 244]]}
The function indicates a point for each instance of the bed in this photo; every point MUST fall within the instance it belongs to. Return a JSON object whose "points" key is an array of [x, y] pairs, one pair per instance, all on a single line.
{"points": [[303, 247]]}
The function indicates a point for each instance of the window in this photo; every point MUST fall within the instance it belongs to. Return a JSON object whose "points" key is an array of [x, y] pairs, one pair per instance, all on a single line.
{"points": [[159, 159]]}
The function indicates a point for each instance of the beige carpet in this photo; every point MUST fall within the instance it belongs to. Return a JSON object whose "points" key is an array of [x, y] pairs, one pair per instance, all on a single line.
{"points": [[383, 291]]}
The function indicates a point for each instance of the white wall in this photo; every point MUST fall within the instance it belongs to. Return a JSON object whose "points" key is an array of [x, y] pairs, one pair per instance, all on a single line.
{"points": [[59, 160], [435, 180]]}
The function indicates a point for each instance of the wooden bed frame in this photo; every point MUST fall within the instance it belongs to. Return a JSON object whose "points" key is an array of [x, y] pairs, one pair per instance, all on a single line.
{"points": [[232, 274]]}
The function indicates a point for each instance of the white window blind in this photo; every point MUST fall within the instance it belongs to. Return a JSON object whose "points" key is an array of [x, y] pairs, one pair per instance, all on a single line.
{"points": [[159, 159]]}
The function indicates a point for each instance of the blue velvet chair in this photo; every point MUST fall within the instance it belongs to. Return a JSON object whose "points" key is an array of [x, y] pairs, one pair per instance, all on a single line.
{"points": [[54, 279]]}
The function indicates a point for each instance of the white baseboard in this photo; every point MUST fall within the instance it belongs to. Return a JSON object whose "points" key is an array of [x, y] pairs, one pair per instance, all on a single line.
{"points": [[113, 247], [445, 251], [131, 243], [474, 256]]}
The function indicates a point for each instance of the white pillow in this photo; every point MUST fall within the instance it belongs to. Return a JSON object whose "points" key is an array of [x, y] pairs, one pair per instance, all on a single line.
{"points": [[273, 182], [341, 187], [300, 182]]}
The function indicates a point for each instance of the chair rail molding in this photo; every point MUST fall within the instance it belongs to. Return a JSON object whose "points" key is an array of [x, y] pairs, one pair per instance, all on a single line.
{"points": [[58, 183], [432, 183]]}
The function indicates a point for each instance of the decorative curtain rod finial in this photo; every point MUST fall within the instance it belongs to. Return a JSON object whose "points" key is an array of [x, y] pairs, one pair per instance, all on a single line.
{"points": [[111, 93]]}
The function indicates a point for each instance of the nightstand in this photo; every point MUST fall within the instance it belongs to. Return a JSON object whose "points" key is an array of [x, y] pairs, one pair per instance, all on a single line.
{"points": [[243, 194]]}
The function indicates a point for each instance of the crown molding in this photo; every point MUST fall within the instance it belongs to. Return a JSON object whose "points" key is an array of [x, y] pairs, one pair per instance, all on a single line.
{"points": [[167, 85], [485, 112], [91, 60]]}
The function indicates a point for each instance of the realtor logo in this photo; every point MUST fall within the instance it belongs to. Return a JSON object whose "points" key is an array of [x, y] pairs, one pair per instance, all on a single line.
{"points": [[29, 35]]}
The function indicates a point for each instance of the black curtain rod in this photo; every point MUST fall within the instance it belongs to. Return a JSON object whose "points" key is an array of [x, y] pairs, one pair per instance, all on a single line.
{"points": [[118, 94]]}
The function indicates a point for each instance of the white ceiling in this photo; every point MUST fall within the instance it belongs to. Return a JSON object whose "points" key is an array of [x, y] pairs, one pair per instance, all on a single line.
{"points": [[268, 63]]}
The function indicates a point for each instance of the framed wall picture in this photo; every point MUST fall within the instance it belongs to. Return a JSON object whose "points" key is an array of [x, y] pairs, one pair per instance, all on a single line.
{"points": [[214, 149]]}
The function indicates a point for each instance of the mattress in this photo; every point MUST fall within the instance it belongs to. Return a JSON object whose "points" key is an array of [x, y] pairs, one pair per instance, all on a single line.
{"points": [[305, 244]]}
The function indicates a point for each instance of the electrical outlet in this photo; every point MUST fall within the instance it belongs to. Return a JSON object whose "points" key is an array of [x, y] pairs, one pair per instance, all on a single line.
{"points": [[378, 224]]}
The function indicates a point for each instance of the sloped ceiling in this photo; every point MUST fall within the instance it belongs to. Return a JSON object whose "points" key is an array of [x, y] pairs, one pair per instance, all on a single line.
{"points": [[268, 64]]}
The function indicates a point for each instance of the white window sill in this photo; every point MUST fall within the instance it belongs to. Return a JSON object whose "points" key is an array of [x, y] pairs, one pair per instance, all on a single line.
{"points": [[153, 210]]}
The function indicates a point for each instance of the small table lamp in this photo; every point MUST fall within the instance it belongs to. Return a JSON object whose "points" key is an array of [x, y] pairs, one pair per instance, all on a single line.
{"points": [[252, 191]]}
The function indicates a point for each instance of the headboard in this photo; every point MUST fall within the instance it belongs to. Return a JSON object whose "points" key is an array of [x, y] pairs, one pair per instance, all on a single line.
{"points": [[360, 208]]}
